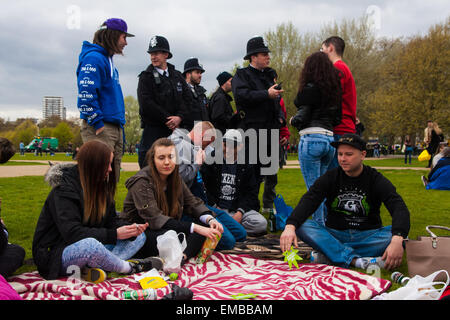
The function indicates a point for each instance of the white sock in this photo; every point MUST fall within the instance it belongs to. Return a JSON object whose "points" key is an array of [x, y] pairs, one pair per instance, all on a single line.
{"points": [[361, 263]]}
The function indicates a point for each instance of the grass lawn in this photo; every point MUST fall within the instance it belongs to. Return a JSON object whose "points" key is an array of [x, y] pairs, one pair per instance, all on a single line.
{"points": [[23, 198]]}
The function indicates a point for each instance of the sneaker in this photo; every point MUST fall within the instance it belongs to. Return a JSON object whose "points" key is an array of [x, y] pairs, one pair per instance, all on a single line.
{"points": [[373, 261], [141, 265], [94, 275], [424, 181], [319, 257]]}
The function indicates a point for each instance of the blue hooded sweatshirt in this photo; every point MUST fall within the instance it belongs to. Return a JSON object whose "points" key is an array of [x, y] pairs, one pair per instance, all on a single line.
{"points": [[100, 97]]}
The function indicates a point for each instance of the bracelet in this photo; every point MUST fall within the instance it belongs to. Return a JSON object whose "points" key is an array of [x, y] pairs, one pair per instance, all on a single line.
{"points": [[211, 220]]}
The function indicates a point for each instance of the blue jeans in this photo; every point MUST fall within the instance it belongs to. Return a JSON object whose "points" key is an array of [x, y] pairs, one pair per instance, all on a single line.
{"points": [[376, 153], [334, 163], [408, 152], [92, 253], [232, 230], [315, 154], [342, 246]]}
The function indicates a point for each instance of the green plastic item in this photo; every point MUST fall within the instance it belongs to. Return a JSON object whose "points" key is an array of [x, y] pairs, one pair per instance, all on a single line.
{"points": [[243, 296], [173, 276], [291, 257]]}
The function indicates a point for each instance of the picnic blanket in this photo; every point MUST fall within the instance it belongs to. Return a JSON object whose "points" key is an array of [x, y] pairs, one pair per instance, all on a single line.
{"points": [[266, 247], [219, 278]]}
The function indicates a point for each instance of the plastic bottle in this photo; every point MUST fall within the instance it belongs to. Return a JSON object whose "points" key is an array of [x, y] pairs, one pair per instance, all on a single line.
{"points": [[145, 294], [400, 278], [272, 221]]}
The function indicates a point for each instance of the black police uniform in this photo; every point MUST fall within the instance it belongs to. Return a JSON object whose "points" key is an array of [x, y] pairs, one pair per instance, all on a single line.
{"points": [[160, 97], [221, 111], [256, 109], [198, 107]]}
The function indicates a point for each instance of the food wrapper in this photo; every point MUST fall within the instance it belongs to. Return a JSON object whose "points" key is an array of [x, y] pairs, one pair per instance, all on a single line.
{"points": [[151, 279]]}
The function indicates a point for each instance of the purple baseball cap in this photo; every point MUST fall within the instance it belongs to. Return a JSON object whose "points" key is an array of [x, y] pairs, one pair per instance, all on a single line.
{"points": [[116, 24]]}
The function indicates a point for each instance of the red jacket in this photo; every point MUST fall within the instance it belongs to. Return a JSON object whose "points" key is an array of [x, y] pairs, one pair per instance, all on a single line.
{"points": [[347, 124], [284, 131]]}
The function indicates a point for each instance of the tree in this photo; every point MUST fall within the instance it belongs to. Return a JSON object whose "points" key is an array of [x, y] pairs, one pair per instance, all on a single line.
{"points": [[25, 132], [415, 85], [133, 129], [64, 135]]}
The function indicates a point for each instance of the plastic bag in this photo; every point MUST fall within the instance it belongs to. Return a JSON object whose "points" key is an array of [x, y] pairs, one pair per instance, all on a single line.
{"points": [[418, 288], [424, 156], [283, 212], [171, 250]]}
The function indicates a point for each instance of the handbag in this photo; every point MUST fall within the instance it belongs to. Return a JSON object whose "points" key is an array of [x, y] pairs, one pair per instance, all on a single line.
{"points": [[428, 254], [424, 156]]}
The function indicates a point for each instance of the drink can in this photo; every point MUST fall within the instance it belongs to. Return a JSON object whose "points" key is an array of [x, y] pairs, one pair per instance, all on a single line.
{"points": [[145, 294], [207, 249], [400, 278]]}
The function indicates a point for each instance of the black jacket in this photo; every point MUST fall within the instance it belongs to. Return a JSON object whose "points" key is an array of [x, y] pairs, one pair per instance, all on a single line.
{"points": [[198, 110], [160, 97], [246, 184], [257, 109], [60, 222], [314, 111], [220, 110]]}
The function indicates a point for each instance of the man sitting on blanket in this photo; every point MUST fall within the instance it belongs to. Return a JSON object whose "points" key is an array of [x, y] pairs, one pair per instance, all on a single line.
{"points": [[353, 234]]}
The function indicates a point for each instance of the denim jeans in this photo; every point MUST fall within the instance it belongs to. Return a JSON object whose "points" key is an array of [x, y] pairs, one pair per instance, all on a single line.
{"points": [[408, 152], [334, 163], [232, 230], [92, 253], [341, 246], [315, 154]]}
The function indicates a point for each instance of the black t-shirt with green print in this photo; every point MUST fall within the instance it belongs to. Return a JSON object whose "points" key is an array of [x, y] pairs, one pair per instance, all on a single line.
{"points": [[354, 202]]}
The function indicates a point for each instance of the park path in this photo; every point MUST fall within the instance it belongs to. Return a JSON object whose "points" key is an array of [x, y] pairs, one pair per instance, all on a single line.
{"points": [[39, 170]]}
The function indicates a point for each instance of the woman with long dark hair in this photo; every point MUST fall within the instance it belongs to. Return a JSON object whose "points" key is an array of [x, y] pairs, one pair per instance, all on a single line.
{"points": [[319, 109], [158, 196], [78, 225]]}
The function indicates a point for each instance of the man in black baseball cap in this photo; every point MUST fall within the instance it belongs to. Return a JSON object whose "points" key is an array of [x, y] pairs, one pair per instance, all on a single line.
{"points": [[193, 71], [353, 234]]}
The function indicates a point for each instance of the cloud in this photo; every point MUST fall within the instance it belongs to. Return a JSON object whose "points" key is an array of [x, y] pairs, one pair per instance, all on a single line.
{"points": [[43, 38]]}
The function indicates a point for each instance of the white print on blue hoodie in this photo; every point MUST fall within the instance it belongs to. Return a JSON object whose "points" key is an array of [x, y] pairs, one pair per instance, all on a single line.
{"points": [[100, 97]]}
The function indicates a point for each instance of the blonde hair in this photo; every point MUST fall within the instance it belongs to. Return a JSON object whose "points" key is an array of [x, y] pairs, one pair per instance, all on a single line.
{"points": [[436, 128]]}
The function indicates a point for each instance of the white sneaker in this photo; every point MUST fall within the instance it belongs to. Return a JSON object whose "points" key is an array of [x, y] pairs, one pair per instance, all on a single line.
{"points": [[319, 257]]}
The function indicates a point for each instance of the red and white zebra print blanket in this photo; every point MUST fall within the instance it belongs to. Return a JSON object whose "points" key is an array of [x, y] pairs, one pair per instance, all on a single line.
{"points": [[222, 276]]}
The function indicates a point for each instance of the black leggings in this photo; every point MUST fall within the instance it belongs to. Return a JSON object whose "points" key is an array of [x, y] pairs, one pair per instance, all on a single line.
{"points": [[11, 259]]}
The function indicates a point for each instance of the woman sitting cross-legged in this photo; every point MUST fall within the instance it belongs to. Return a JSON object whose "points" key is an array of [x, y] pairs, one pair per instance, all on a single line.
{"points": [[78, 226], [158, 196]]}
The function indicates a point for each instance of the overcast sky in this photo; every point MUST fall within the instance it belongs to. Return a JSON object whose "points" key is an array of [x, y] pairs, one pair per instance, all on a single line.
{"points": [[41, 40]]}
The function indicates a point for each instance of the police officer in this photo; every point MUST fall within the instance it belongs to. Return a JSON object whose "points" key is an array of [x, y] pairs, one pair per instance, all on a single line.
{"points": [[163, 96], [220, 109], [257, 96], [199, 108]]}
